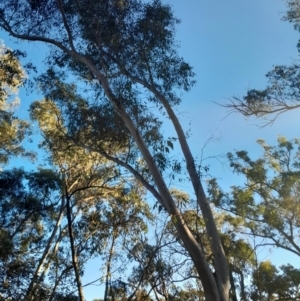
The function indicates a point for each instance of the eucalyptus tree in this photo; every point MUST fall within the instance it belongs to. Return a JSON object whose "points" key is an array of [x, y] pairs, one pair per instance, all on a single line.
{"points": [[125, 51], [102, 207], [34, 257], [268, 202], [240, 254], [55, 205], [27, 203], [52, 221]]}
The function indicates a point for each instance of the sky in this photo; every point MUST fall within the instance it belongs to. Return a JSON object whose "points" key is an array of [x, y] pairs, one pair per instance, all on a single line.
{"points": [[231, 45]]}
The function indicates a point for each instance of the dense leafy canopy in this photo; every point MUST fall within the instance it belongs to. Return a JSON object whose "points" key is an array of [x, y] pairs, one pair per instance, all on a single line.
{"points": [[124, 57], [13, 130], [112, 79]]}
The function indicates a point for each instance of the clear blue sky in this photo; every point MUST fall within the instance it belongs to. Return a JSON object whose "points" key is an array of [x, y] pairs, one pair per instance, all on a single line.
{"points": [[232, 45]]}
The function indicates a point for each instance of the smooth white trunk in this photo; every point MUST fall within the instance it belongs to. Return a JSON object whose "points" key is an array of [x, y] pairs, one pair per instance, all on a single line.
{"points": [[207, 279]]}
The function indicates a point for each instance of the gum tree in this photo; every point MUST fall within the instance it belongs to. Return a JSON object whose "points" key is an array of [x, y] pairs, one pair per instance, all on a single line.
{"points": [[125, 51], [268, 202], [97, 205]]}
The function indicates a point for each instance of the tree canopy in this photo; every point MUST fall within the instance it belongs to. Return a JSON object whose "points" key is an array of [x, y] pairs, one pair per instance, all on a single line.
{"points": [[13, 130], [125, 52], [268, 202], [112, 78]]}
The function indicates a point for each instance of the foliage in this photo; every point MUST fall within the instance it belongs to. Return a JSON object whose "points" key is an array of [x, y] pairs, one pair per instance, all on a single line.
{"points": [[128, 72], [282, 92], [240, 253], [269, 284], [13, 130], [101, 205], [27, 202], [268, 202], [12, 76]]}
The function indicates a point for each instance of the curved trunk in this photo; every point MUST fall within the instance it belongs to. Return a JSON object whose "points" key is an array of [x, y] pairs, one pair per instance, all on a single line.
{"points": [[221, 264], [213, 291], [205, 274]]}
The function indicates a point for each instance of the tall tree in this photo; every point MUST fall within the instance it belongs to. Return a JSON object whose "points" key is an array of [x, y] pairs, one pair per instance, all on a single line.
{"points": [[102, 206], [268, 203], [269, 284], [126, 51], [27, 204], [53, 221], [240, 253]]}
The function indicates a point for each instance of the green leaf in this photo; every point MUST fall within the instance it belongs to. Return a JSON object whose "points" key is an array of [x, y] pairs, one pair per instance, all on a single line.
{"points": [[170, 144]]}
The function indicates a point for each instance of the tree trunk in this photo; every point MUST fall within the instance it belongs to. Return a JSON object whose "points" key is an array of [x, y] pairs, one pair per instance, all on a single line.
{"points": [[73, 249], [242, 285], [40, 267], [221, 264], [205, 274], [213, 291], [108, 268], [233, 287]]}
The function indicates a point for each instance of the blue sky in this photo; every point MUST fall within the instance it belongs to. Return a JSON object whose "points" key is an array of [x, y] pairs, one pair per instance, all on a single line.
{"points": [[231, 45]]}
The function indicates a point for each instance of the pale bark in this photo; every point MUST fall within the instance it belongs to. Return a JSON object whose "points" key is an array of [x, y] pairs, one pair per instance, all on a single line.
{"points": [[40, 267], [73, 249], [108, 268], [211, 290], [53, 253], [210, 287], [221, 264]]}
